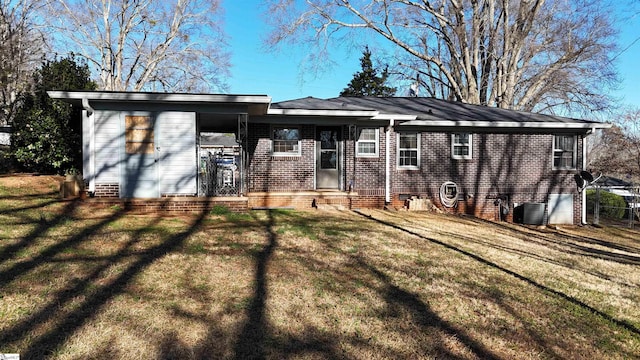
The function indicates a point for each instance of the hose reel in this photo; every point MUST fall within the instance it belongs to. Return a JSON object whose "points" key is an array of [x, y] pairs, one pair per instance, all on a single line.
{"points": [[449, 194]]}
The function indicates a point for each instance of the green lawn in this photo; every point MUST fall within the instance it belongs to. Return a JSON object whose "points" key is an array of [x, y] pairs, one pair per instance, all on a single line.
{"points": [[79, 282]]}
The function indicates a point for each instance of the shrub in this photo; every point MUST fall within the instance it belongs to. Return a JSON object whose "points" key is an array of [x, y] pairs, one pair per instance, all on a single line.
{"points": [[46, 132], [611, 205], [6, 161]]}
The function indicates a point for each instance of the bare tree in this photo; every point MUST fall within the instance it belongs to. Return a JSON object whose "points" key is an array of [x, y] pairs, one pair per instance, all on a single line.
{"points": [[22, 48], [616, 151], [530, 55], [149, 45]]}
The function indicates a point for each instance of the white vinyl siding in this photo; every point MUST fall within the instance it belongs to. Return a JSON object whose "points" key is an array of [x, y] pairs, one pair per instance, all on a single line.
{"points": [[176, 152], [109, 141]]}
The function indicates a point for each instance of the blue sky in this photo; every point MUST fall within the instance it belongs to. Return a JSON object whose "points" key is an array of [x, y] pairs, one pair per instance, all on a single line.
{"points": [[256, 71]]}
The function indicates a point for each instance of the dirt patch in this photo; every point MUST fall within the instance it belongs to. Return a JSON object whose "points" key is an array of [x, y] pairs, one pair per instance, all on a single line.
{"points": [[33, 182]]}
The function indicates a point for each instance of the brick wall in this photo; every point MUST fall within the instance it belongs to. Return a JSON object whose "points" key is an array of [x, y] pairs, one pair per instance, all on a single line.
{"points": [[107, 190], [280, 173], [513, 166], [172, 204], [369, 172]]}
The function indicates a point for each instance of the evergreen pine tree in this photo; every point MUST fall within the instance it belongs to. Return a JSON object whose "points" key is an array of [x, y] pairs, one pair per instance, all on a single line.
{"points": [[367, 82]]}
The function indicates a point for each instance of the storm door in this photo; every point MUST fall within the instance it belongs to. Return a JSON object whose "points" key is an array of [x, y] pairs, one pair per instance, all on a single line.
{"points": [[328, 165], [141, 169]]}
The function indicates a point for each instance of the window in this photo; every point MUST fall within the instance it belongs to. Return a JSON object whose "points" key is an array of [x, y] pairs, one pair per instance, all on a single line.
{"points": [[461, 146], [408, 150], [367, 142], [286, 140], [564, 152], [138, 134]]}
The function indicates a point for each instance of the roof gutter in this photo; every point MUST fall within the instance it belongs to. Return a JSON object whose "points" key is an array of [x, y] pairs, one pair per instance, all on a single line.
{"points": [[583, 207], [86, 106], [91, 166], [507, 124]]}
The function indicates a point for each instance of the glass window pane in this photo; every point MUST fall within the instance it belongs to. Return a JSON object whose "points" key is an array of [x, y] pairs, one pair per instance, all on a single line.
{"points": [[461, 138], [408, 141], [328, 160], [459, 150], [286, 140], [408, 158], [564, 151], [328, 139], [286, 134], [367, 134], [366, 148]]}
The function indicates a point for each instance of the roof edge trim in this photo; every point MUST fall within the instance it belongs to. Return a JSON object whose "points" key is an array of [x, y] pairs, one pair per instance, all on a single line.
{"points": [[311, 112], [160, 97], [505, 124]]}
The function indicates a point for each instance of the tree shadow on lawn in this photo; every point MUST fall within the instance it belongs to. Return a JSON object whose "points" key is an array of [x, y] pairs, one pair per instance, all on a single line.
{"points": [[256, 340], [547, 240], [567, 243], [574, 240], [630, 327], [397, 301], [43, 226], [93, 297]]}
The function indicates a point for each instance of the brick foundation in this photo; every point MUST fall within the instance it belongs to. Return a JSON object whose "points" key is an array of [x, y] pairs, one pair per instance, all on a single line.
{"points": [[300, 200], [173, 204], [108, 190]]}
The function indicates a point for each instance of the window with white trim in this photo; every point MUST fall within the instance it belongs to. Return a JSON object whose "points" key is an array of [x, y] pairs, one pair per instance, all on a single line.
{"points": [[461, 146], [367, 143], [285, 140], [408, 145], [564, 152]]}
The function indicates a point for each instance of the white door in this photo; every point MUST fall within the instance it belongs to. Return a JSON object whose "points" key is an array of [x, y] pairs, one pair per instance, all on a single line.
{"points": [[328, 157], [140, 175]]}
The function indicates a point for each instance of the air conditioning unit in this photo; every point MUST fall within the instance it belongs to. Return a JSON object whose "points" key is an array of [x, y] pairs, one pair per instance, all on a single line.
{"points": [[530, 213]]}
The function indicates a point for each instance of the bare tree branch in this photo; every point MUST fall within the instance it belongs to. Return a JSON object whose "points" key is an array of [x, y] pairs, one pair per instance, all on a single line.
{"points": [[145, 45], [523, 54], [22, 49]]}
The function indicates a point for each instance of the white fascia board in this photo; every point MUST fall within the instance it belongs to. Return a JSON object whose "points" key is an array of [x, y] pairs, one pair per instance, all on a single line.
{"points": [[310, 112], [398, 117], [159, 97], [506, 124]]}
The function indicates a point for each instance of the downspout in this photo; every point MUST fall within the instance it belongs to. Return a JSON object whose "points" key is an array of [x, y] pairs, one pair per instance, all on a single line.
{"points": [[583, 207], [387, 173], [89, 111]]}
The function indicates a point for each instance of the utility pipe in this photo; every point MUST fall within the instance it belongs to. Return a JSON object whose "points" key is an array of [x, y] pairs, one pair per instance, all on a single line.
{"points": [[387, 180]]}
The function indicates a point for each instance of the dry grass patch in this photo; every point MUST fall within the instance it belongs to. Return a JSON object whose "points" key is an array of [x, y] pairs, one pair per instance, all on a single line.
{"points": [[101, 283]]}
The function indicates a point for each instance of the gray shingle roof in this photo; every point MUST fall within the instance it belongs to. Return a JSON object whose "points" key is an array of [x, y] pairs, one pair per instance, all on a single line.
{"points": [[434, 109], [430, 110], [311, 103]]}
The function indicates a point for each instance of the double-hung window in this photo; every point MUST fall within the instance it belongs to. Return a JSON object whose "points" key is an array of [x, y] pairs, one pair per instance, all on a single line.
{"points": [[461, 145], [408, 150], [564, 152], [367, 143], [286, 140]]}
